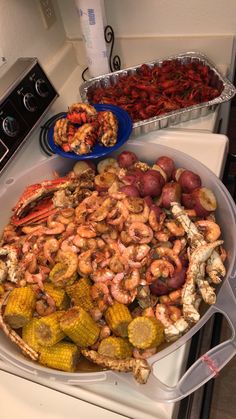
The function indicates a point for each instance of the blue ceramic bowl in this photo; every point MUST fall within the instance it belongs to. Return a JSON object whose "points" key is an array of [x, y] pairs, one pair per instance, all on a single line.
{"points": [[124, 131]]}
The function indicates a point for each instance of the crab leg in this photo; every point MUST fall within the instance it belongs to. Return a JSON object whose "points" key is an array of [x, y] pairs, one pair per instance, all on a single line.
{"points": [[195, 276], [215, 267], [139, 367]]}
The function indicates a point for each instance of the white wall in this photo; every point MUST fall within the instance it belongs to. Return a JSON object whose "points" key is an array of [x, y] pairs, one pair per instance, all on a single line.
{"points": [[159, 17], [22, 32]]}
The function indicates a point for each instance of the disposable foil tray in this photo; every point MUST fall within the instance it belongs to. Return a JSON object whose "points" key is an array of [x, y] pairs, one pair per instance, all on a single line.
{"points": [[174, 117]]}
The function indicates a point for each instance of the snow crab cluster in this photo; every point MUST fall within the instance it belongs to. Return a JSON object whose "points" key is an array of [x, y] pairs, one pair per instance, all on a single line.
{"points": [[83, 126], [111, 261]]}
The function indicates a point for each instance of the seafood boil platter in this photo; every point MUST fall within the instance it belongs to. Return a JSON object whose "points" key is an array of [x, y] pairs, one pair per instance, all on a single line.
{"points": [[110, 263], [128, 324]]}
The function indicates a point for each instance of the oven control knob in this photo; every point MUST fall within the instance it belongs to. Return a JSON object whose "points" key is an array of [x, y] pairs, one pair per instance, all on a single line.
{"points": [[41, 88], [30, 102], [10, 126]]}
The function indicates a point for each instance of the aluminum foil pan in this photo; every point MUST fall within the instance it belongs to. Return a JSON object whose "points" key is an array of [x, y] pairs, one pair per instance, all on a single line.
{"points": [[175, 117]]}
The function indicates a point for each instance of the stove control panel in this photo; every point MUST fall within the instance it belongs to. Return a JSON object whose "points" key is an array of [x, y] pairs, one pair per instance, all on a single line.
{"points": [[26, 94]]}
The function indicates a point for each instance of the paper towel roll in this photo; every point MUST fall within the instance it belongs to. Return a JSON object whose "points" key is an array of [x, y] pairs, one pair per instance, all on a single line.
{"points": [[92, 18]]}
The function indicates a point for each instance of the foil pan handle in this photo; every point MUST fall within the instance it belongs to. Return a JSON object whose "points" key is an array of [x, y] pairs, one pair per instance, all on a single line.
{"points": [[207, 366]]}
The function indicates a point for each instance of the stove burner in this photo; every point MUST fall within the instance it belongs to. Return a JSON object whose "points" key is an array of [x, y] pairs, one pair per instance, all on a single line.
{"points": [[43, 136]]}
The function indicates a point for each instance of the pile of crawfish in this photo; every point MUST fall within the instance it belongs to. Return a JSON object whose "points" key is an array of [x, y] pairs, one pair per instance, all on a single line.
{"points": [[159, 263], [156, 90]]}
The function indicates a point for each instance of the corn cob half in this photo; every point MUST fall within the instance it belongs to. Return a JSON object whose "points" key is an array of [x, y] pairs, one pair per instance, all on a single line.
{"points": [[20, 307], [145, 332], [115, 347], [118, 317], [62, 356], [80, 293], [58, 295], [28, 334], [48, 331], [80, 327]]}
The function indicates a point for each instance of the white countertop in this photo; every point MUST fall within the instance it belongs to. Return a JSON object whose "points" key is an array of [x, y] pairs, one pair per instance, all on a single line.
{"points": [[27, 400]]}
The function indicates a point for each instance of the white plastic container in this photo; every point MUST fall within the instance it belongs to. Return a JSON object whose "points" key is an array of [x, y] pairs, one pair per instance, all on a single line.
{"points": [[200, 372]]}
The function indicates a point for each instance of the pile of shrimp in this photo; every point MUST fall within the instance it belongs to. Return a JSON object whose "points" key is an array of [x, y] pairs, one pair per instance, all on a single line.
{"points": [[121, 245]]}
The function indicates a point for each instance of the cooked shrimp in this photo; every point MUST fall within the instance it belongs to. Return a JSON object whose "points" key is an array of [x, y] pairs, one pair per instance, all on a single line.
{"points": [[132, 281], [156, 224], [85, 263], [70, 259], [118, 292], [140, 217], [86, 231], [65, 216], [51, 246], [210, 229], [144, 353], [102, 275], [161, 268], [101, 295], [168, 253], [45, 306], [54, 227], [140, 232], [175, 228]]}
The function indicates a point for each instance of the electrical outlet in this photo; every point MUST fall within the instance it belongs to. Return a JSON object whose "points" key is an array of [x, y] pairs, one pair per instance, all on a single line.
{"points": [[47, 12]]}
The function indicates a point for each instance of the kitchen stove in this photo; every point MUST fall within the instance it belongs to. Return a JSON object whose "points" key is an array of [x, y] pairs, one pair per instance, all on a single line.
{"points": [[25, 96]]}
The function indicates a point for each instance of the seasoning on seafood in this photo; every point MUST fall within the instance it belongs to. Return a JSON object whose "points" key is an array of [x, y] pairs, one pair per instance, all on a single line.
{"points": [[140, 368]]}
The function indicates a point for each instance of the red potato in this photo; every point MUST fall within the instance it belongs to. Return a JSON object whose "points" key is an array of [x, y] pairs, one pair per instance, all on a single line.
{"points": [[161, 171], [159, 287], [150, 184], [189, 181], [83, 165], [177, 173], [148, 200], [204, 201], [157, 174], [177, 279], [133, 177], [158, 211], [104, 181], [167, 164], [171, 192], [187, 200], [130, 190], [126, 159]]}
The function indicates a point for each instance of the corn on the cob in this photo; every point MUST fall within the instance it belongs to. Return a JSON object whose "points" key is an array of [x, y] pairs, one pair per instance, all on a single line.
{"points": [[79, 326], [145, 332], [48, 331], [79, 293], [118, 317], [62, 356], [20, 307], [58, 295], [57, 273], [115, 347], [28, 334]]}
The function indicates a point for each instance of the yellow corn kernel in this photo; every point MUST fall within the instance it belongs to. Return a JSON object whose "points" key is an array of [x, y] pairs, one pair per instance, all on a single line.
{"points": [[20, 307], [145, 332], [58, 295], [56, 275], [115, 347], [48, 331], [118, 317], [79, 326], [28, 334], [62, 356], [80, 293]]}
